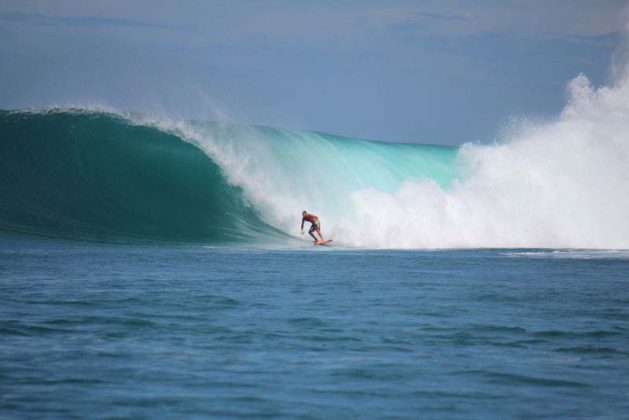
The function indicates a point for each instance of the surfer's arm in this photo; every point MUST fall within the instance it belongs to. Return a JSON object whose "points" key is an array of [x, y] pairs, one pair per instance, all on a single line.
{"points": [[302, 225]]}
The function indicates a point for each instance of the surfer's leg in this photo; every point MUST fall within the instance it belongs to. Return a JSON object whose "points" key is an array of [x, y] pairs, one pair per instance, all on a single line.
{"points": [[317, 228], [310, 232]]}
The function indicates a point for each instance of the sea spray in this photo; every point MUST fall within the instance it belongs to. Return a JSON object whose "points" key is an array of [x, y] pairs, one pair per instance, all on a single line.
{"points": [[563, 184]]}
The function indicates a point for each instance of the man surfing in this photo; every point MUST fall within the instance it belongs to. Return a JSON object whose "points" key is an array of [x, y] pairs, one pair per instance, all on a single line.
{"points": [[314, 227]]}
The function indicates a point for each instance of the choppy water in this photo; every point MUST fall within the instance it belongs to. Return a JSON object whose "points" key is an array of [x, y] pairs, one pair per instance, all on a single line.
{"points": [[97, 330]]}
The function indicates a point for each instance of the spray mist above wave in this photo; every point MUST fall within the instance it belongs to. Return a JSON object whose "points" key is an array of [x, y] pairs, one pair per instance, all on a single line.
{"points": [[559, 185]]}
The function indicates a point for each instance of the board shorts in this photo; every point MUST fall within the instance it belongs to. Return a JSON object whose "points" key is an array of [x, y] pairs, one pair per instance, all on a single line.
{"points": [[315, 226]]}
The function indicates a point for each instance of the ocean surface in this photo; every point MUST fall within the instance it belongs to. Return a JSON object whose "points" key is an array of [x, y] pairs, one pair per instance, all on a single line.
{"points": [[153, 268], [121, 330]]}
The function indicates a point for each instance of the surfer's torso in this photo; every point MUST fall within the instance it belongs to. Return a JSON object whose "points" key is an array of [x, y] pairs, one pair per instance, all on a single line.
{"points": [[311, 218]]}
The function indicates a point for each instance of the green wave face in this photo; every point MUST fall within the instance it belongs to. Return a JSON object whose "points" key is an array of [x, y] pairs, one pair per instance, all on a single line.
{"points": [[94, 175], [102, 176]]}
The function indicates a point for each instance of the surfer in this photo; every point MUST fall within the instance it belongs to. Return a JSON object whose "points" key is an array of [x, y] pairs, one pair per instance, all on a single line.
{"points": [[314, 227]]}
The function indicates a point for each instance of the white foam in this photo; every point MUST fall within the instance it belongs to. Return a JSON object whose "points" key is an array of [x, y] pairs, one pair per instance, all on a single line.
{"points": [[574, 254], [561, 185]]}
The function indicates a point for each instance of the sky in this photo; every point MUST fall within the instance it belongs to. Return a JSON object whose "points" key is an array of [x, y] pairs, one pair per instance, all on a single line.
{"points": [[440, 72]]}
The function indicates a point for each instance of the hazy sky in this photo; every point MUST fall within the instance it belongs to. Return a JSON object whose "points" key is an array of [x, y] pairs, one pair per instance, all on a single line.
{"points": [[441, 72]]}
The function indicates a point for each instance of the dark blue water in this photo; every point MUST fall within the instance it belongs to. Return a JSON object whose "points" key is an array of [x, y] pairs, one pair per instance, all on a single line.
{"points": [[97, 330]]}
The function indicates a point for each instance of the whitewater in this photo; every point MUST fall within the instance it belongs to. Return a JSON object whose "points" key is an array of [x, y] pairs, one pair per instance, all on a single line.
{"points": [[562, 184], [94, 173]]}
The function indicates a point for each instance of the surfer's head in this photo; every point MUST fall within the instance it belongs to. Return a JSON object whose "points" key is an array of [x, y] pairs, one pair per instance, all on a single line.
{"points": [[303, 213]]}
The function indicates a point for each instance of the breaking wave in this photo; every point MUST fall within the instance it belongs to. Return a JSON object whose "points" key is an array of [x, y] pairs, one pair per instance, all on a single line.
{"points": [[92, 174]]}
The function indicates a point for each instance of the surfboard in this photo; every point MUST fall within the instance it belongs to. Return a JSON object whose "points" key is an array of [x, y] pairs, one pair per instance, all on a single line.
{"points": [[327, 241]]}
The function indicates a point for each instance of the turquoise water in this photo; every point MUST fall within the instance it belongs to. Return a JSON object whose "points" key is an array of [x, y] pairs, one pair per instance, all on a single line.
{"points": [[101, 176], [168, 331]]}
